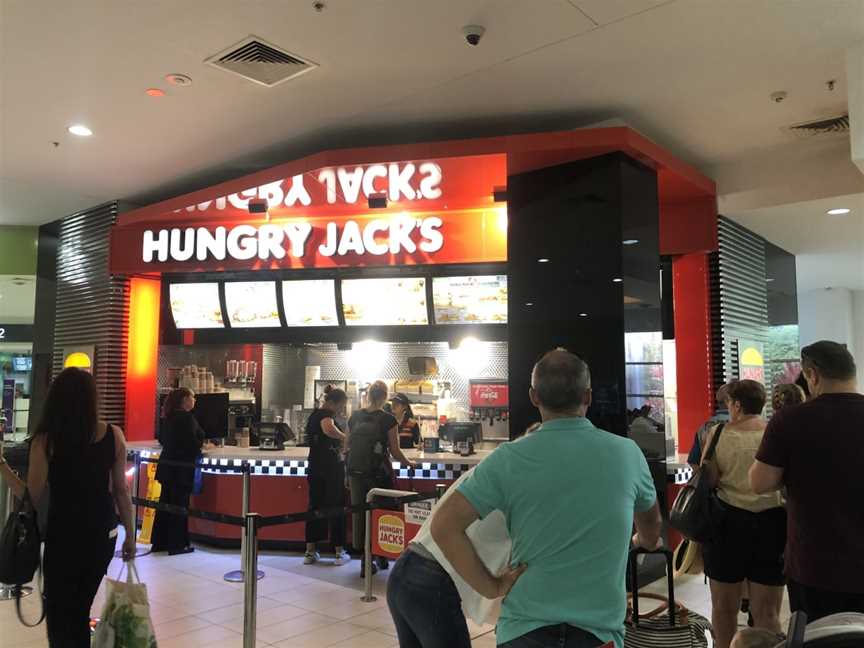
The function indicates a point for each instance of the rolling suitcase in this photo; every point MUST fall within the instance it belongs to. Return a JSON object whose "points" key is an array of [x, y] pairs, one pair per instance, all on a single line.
{"points": [[680, 628]]}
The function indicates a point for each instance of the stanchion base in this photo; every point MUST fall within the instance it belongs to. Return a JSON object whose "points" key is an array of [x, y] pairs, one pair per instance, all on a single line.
{"points": [[7, 592], [238, 576], [369, 599], [140, 551]]}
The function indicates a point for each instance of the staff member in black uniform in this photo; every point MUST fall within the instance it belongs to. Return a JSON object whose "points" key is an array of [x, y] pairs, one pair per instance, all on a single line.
{"points": [[326, 476], [409, 429], [182, 438]]}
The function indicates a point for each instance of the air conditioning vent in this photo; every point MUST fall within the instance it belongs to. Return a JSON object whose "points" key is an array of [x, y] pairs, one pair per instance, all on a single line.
{"points": [[257, 60], [838, 125]]}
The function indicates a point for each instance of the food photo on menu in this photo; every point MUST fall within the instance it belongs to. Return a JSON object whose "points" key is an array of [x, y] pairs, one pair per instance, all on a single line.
{"points": [[470, 300], [196, 305], [384, 302], [310, 302], [252, 304]]}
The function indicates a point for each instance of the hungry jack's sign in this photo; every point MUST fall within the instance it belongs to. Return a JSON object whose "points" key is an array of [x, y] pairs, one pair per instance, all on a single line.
{"points": [[321, 219]]}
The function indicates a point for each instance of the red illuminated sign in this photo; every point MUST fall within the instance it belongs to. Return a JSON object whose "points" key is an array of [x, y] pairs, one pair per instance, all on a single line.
{"points": [[437, 212], [489, 394]]}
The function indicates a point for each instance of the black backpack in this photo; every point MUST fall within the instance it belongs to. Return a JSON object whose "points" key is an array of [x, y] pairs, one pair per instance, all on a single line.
{"points": [[366, 447]]}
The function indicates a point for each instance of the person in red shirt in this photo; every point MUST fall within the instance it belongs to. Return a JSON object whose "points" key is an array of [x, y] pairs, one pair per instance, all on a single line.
{"points": [[817, 451]]}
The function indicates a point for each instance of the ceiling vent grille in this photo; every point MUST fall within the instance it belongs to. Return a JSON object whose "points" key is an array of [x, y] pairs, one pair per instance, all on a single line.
{"points": [[257, 60], [829, 126]]}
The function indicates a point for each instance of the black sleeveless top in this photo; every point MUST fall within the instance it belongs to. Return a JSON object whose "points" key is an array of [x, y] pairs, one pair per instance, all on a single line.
{"points": [[80, 506]]}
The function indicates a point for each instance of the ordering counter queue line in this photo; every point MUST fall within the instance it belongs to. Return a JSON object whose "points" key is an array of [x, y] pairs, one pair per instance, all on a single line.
{"points": [[279, 485]]}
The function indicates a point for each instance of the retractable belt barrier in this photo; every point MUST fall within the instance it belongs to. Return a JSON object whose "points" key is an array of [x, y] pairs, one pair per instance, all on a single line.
{"points": [[251, 522], [289, 518]]}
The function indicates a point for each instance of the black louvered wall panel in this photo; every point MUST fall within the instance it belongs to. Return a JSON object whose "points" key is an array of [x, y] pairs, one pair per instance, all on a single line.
{"points": [[92, 306], [739, 297]]}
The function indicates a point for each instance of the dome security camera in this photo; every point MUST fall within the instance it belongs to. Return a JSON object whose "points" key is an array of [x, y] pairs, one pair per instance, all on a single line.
{"points": [[473, 34]]}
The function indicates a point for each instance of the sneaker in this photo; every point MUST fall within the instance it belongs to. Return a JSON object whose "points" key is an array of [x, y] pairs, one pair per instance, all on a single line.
{"points": [[342, 558], [311, 558]]}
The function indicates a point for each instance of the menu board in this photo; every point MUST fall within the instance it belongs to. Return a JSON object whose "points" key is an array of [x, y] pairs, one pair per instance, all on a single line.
{"points": [[470, 300], [310, 302], [252, 304], [384, 302], [196, 305]]}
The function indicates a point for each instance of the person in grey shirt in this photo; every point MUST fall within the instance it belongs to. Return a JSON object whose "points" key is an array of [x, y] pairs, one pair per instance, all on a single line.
{"points": [[721, 416]]}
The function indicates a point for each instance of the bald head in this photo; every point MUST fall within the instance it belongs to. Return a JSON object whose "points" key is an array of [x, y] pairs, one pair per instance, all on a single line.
{"points": [[561, 383]]}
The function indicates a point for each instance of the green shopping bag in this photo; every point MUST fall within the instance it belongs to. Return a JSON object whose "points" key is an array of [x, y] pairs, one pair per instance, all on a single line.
{"points": [[125, 621]]}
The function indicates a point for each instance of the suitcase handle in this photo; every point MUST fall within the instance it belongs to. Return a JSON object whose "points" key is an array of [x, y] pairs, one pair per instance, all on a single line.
{"points": [[634, 580]]}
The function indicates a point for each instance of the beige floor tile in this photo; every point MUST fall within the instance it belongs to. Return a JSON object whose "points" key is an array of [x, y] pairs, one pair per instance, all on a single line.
{"points": [[231, 613], [268, 618], [369, 640], [178, 627], [202, 637], [322, 637], [377, 618], [162, 613], [234, 642], [293, 627]]}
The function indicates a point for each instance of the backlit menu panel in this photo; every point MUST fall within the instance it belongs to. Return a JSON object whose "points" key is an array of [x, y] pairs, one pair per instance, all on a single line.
{"points": [[310, 302], [384, 302], [252, 304], [196, 305], [470, 300]]}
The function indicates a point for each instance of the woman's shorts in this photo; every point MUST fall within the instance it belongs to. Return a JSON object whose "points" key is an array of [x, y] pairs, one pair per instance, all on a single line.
{"points": [[747, 546]]}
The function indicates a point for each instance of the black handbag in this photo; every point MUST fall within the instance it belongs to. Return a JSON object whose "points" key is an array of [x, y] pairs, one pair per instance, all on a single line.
{"points": [[696, 509], [21, 551]]}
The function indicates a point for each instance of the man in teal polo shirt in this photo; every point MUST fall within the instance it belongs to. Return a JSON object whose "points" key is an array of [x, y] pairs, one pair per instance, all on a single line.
{"points": [[570, 493]]}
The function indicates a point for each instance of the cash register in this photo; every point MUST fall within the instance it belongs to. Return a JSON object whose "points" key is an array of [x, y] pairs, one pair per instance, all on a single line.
{"points": [[272, 436]]}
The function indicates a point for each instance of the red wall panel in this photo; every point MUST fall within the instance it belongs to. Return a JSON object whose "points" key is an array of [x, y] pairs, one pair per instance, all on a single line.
{"points": [[693, 345]]}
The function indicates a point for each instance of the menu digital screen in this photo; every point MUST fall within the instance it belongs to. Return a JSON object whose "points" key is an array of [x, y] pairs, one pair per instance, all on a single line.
{"points": [[470, 300], [252, 304], [196, 305], [384, 302], [310, 302]]}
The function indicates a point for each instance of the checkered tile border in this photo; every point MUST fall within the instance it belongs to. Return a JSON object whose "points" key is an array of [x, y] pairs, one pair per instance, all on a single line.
{"points": [[425, 470], [436, 471], [680, 474], [297, 468]]}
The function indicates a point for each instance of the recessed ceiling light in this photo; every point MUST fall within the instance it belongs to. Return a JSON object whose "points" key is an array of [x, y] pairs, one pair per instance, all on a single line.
{"points": [[617, 280], [182, 80], [769, 279], [80, 130], [529, 303], [583, 314], [155, 92], [630, 241], [543, 260], [838, 212]]}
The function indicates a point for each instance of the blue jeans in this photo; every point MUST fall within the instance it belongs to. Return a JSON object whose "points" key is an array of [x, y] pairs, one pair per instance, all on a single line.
{"points": [[555, 636], [425, 605]]}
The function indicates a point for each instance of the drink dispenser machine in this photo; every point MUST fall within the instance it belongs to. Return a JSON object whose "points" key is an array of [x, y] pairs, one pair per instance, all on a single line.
{"points": [[489, 402]]}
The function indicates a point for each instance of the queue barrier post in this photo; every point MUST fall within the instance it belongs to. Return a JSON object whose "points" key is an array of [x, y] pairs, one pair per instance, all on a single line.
{"points": [[250, 588], [368, 597], [239, 575], [140, 550]]}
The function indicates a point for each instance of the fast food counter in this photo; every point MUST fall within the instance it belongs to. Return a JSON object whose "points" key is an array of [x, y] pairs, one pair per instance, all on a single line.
{"points": [[279, 485]]}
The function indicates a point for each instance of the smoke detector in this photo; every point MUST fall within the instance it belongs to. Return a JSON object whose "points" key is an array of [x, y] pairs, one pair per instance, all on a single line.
{"points": [[261, 62], [828, 126]]}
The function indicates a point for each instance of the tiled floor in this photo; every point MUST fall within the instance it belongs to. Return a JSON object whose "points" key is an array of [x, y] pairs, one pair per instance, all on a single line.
{"points": [[298, 606]]}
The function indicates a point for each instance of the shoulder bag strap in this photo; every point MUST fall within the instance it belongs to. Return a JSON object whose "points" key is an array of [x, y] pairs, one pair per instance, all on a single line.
{"points": [[712, 449]]}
